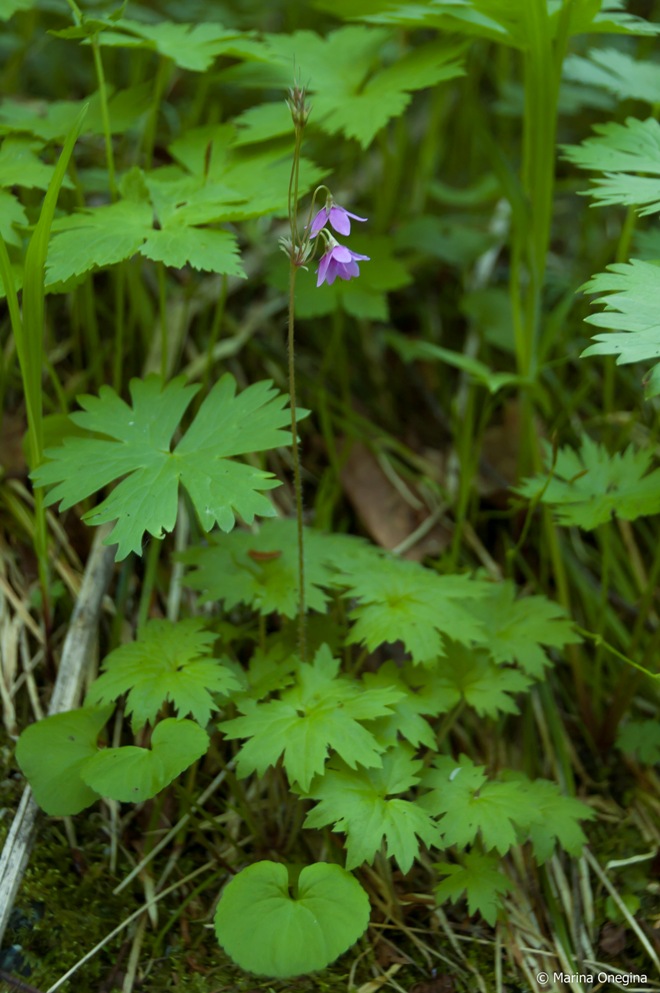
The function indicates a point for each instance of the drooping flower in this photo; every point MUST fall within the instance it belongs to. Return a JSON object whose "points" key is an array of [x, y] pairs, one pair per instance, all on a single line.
{"points": [[339, 261], [338, 216]]}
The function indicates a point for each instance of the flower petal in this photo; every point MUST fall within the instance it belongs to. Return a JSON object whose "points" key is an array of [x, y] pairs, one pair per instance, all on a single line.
{"points": [[333, 272], [342, 254], [319, 222], [339, 220], [323, 268]]}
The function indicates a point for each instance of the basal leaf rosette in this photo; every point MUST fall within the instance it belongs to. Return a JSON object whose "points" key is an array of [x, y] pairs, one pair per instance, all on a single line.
{"points": [[267, 930]]}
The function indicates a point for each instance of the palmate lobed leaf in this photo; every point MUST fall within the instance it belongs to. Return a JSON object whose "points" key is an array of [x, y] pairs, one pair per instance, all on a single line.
{"points": [[589, 487], [20, 165], [477, 876], [322, 711], [51, 120], [103, 236], [403, 601], [190, 46], [406, 718], [353, 93], [470, 674], [261, 570], [135, 443], [468, 805], [520, 630], [168, 662], [640, 738], [363, 804], [502, 813]]}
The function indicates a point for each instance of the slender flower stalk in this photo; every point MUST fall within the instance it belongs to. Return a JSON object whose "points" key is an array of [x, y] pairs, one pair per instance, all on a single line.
{"points": [[337, 261], [299, 113]]}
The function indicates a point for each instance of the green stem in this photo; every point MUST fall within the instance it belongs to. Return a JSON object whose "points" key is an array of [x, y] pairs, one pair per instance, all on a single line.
{"points": [[162, 306], [302, 621], [153, 555], [297, 482], [218, 316], [105, 115], [149, 138]]}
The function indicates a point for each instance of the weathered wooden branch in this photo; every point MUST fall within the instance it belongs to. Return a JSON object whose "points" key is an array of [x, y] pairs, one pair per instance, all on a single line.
{"points": [[66, 695]]}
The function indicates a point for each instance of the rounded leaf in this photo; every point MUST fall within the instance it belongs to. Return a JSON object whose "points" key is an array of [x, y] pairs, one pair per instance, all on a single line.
{"points": [[51, 754], [267, 931], [130, 774]]}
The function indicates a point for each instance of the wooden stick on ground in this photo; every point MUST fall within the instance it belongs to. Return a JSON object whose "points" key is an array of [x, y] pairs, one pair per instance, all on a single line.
{"points": [[66, 695]]}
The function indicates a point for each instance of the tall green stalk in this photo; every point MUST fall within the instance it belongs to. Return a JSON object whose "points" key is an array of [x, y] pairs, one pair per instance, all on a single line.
{"points": [[28, 330], [297, 253], [543, 61]]}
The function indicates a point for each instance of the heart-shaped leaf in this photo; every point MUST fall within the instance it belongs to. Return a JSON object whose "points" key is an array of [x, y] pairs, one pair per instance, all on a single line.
{"points": [[267, 931], [130, 774], [51, 754]]}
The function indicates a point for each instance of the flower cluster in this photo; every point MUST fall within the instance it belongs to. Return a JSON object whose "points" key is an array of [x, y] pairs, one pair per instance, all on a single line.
{"points": [[337, 260]]}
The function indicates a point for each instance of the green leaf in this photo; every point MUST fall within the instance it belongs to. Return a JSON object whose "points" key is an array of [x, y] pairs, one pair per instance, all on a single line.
{"points": [[168, 662], [641, 739], [53, 119], [322, 711], [403, 601], [621, 151], [51, 754], [470, 674], [261, 570], [21, 166], [362, 804], [558, 820], [268, 931], [190, 46], [410, 349], [136, 442], [502, 813], [12, 215], [258, 177], [130, 774], [589, 487], [263, 122], [102, 236], [353, 94], [470, 805], [417, 697], [516, 630], [479, 877], [502, 21], [98, 237], [9, 7], [632, 303], [617, 72]]}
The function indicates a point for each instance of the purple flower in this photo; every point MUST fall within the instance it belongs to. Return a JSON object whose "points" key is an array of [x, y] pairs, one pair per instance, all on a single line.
{"points": [[338, 217], [339, 261]]}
